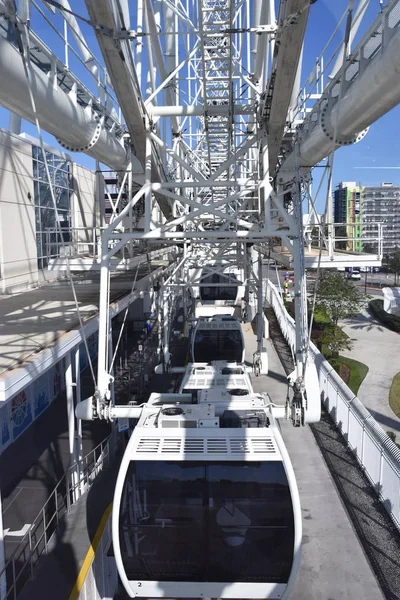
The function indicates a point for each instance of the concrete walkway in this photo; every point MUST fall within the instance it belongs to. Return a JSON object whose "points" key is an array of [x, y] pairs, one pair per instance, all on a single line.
{"points": [[333, 564], [378, 348]]}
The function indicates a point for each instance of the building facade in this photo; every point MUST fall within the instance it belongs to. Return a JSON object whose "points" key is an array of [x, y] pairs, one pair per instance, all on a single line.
{"points": [[382, 204], [361, 208], [29, 231], [348, 210]]}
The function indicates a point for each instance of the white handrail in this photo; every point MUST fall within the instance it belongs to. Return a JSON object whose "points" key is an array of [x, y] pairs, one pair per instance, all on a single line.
{"points": [[375, 451], [36, 541]]}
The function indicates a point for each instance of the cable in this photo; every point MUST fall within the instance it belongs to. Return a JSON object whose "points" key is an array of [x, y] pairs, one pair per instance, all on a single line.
{"points": [[331, 160], [24, 49], [123, 322], [279, 281]]}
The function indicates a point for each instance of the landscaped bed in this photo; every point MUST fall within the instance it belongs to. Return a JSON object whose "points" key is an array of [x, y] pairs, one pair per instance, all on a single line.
{"points": [[351, 371], [394, 395], [391, 321]]}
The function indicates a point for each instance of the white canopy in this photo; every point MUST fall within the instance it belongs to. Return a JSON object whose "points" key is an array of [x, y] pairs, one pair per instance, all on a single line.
{"points": [[391, 300]]}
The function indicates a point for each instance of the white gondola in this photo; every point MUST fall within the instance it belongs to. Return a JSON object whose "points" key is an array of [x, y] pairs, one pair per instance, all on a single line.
{"points": [[206, 503], [218, 288], [217, 338]]}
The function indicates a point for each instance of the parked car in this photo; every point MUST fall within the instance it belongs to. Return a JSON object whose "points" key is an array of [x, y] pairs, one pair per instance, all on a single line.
{"points": [[354, 274]]}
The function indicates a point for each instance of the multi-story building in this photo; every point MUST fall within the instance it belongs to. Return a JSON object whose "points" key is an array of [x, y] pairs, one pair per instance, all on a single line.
{"points": [[381, 204], [362, 208], [348, 209]]}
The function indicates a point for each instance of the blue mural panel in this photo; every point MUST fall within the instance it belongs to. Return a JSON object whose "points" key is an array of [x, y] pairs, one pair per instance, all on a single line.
{"points": [[24, 408], [83, 360], [5, 426], [93, 347], [21, 412], [56, 380], [41, 393]]}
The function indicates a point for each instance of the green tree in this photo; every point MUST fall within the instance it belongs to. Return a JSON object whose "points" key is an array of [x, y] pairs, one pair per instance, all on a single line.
{"points": [[335, 339], [394, 263], [369, 248], [339, 296]]}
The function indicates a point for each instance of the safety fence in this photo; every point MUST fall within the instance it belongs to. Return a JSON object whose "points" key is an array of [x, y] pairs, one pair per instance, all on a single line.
{"points": [[42, 534], [377, 454], [101, 580]]}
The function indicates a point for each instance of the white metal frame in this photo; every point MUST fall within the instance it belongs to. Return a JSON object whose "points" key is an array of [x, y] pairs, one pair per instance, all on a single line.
{"points": [[157, 589], [206, 105]]}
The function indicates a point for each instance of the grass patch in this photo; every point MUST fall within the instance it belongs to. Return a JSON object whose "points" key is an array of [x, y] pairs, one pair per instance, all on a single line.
{"points": [[394, 395], [351, 371]]}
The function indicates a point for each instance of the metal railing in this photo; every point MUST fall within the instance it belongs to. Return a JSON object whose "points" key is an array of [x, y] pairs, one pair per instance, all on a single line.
{"points": [[348, 236], [78, 242], [42, 534], [85, 242], [377, 454]]}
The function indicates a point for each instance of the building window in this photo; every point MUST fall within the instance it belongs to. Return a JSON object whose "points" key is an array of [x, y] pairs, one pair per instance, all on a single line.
{"points": [[48, 239]]}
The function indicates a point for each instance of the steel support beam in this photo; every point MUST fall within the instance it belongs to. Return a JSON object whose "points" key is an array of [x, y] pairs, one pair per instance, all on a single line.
{"points": [[292, 21]]}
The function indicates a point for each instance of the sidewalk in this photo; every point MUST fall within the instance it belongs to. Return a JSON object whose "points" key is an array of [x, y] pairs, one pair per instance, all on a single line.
{"points": [[378, 348], [333, 564]]}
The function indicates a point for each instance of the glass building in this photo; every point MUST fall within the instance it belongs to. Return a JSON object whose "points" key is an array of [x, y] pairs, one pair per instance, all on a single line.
{"points": [[49, 220]]}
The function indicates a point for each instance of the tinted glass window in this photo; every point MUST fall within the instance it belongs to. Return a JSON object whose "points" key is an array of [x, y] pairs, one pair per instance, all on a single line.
{"points": [[218, 345], [200, 522], [217, 292]]}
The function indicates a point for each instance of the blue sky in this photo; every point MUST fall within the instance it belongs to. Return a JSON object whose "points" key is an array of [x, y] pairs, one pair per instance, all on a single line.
{"points": [[380, 148]]}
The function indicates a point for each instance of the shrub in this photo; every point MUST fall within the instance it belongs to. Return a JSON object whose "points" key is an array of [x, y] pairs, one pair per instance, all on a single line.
{"points": [[391, 321]]}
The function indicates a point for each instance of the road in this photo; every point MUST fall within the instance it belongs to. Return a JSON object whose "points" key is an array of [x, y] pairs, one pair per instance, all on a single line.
{"points": [[374, 281]]}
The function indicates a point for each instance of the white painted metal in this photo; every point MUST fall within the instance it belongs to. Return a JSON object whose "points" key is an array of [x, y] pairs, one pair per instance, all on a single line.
{"points": [[356, 22], [204, 149], [79, 444], [284, 70], [372, 89], [59, 113], [150, 441], [303, 412], [71, 419], [88, 57], [374, 450], [3, 579]]}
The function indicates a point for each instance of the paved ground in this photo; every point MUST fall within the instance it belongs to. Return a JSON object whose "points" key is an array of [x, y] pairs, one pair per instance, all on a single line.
{"points": [[57, 572], [34, 320], [379, 349], [31, 466], [333, 564]]}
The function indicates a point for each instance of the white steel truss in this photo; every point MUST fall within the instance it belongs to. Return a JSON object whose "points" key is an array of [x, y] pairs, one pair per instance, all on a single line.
{"points": [[201, 104]]}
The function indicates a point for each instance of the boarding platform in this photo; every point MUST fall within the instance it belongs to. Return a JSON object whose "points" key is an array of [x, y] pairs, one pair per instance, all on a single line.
{"points": [[340, 258], [330, 545]]}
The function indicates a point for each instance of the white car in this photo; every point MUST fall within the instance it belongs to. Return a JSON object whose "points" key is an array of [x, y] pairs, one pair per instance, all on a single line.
{"points": [[354, 275]]}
